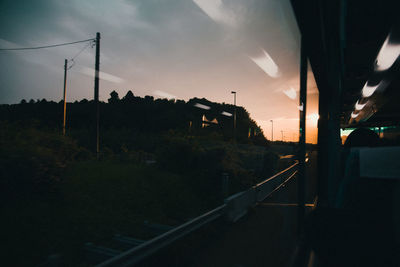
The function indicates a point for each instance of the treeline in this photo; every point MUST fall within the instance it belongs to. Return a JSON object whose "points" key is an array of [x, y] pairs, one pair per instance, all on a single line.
{"points": [[136, 116]]}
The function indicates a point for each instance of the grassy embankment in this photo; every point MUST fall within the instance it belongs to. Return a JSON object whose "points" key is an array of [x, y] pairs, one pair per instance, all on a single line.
{"points": [[56, 196]]}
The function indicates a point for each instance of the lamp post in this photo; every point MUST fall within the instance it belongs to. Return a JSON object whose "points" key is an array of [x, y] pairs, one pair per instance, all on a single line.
{"points": [[272, 130], [65, 93], [234, 115]]}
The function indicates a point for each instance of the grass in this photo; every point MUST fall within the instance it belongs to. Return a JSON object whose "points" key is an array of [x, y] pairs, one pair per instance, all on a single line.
{"points": [[55, 197], [94, 201]]}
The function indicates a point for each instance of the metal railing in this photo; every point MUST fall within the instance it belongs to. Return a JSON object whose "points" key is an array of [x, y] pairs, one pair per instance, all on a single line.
{"points": [[233, 209]]}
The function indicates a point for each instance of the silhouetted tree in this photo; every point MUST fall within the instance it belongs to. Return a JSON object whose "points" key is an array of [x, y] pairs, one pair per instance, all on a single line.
{"points": [[129, 97], [135, 115], [23, 101], [149, 98], [114, 98]]}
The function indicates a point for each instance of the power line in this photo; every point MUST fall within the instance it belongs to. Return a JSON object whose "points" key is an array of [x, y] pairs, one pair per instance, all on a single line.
{"points": [[46, 46], [77, 54]]}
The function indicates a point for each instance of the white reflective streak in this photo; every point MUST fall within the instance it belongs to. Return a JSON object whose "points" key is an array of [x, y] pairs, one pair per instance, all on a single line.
{"points": [[291, 93], [300, 107], [359, 106], [214, 9], [198, 105], [164, 94], [267, 64], [4, 44], [388, 54], [102, 75], [367, 91], [354, 115], [226, 113]]}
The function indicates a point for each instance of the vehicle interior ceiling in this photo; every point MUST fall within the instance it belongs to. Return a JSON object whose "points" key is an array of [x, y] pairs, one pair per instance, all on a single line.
{"points": [[356, 43]]}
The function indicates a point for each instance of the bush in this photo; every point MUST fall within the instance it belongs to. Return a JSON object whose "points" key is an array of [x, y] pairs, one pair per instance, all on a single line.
{"points": [[32, 160]]}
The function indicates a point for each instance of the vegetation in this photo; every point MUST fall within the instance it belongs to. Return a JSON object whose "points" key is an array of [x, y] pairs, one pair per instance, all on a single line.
{"points": [[157, 163]]}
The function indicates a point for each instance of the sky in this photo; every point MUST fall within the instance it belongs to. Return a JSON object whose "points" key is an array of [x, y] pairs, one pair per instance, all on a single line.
{"points": [[166, 48]]}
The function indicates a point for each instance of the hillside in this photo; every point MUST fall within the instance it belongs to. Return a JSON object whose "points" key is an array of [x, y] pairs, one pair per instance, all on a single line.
{"points": [[123, 121]]}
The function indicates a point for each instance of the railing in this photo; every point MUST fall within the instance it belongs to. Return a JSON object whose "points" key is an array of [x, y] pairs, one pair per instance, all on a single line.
{"points": [[235, 207]]}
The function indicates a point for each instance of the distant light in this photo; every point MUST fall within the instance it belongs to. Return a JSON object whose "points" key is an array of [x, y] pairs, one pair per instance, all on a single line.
{"points": [[198, 105], [354, 115], [359, 106], [226, 113], [388, 54], [267, 64], [291, 93], [367, 91], [164, 94]]}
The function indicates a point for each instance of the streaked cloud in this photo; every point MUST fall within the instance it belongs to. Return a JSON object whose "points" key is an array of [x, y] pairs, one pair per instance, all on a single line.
{"points": [[216, 11], [198, 105], [267, 64], [102, 75], [164, 94], [367, 91], [359, 106], [388, 54], [291, 93], [4, 44]]}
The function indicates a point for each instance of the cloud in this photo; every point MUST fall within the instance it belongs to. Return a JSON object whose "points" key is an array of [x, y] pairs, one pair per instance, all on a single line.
{"points": [[291, 93], [164, 94], [198, 105], [267, 64], [226, 113], [102, 75], [216, 11]]}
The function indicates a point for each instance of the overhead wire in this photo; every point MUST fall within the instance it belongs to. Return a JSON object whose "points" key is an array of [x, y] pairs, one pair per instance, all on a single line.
{"points": [[77, 54], [46, 46]]}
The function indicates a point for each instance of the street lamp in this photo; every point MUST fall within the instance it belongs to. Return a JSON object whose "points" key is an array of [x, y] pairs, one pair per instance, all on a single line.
{"points": [[272, 130], [234, 115]]}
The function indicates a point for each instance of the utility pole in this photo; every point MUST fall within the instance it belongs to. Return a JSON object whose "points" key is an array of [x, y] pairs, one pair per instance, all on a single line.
{"points": [[282, 134], [65, 93], [272, 131], [96, 91], [234, 115]]}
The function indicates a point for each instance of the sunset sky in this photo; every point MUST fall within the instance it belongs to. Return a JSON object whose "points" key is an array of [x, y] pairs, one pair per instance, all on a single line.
{"points": [[177, 48]]}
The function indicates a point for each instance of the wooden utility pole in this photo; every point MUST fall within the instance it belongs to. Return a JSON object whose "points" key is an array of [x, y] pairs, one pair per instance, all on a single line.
{"points": [[96, 91], [65, 93]]}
